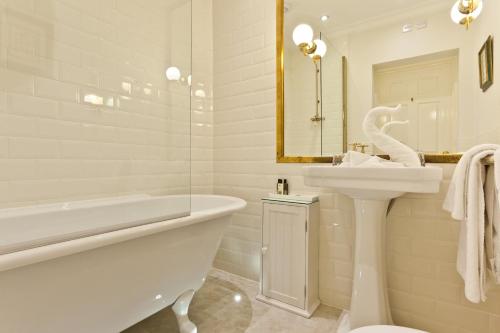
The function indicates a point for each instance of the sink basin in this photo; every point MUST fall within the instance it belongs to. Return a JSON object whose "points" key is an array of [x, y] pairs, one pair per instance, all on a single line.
{"points": [[374, 183], [372, 189]]}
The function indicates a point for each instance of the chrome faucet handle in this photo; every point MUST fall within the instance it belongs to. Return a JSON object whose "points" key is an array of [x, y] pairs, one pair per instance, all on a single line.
{"points": [[363, 147], [355, 146]]}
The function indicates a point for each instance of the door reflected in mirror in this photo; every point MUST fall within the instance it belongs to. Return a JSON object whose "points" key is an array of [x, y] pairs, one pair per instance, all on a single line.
{"points": [[426, 88]]}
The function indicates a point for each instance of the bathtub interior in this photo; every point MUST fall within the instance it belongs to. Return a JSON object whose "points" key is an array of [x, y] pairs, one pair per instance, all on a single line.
{"points": [[30, 227], [202, 204]]}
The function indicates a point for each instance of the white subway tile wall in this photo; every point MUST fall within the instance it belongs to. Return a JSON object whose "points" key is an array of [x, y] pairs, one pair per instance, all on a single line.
{"points": [[85, 106], [425, 289], [202, 99]]}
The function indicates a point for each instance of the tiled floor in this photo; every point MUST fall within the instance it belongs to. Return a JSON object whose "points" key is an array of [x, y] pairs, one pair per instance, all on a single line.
{"points": [[226, 304]]}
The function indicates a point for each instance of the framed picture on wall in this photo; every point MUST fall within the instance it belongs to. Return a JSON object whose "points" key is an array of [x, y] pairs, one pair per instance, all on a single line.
{"points": [[486, 64]]}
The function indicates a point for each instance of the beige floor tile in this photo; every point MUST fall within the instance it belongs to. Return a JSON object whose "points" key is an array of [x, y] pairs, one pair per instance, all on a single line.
{"points": [[226, 304]]}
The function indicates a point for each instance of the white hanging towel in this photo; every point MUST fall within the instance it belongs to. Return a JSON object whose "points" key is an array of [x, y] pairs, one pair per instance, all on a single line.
{"points": [[492, 223], [466, 202]]}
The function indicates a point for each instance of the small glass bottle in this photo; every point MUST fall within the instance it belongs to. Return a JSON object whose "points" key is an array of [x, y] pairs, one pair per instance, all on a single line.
{"points": [[279, 186]]}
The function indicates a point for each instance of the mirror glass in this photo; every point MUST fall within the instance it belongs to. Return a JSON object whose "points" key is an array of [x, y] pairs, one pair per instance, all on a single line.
{"points": [[313, 87], [374, 53], [313, 96]]}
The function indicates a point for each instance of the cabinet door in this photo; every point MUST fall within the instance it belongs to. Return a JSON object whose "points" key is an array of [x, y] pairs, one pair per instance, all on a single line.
{"points": [[284, 253]]}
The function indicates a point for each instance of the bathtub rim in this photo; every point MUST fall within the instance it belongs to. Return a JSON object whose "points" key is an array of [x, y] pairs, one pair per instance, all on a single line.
{"points": [[31, 256]]}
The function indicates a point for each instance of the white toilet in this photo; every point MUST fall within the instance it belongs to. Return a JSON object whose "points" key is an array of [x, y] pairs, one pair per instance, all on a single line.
{"points": [[385, 329]]}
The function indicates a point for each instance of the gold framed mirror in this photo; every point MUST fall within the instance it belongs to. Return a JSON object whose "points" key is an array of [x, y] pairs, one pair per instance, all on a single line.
{"points": [[286, 155]]}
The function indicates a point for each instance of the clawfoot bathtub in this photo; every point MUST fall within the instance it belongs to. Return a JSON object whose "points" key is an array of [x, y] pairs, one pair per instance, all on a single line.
{"points": [[101, 266]]}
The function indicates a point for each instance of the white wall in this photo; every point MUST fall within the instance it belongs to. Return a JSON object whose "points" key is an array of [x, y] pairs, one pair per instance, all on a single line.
{"points": [[333, 135], [425, 290], [485, 118], [244, 123], [202, 98]]}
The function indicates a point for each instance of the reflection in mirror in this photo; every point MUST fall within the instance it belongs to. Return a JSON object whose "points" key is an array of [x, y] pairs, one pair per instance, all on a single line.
{"points": [[425, 87], [313, 81], [420, 54]]}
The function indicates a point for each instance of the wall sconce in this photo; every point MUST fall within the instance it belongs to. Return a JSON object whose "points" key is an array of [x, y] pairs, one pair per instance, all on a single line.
{"points": [[303, 36], [465, 11], [174, 74]]}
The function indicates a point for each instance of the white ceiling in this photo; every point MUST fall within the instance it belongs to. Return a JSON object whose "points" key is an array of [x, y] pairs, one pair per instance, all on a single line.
{"points": [[348, 15]]}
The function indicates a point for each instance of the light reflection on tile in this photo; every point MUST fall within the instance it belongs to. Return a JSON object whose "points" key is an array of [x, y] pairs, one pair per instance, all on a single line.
{"points": [[226, 304]]}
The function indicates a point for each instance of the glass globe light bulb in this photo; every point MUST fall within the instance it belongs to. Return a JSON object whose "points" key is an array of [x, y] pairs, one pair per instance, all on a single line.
{"points": [[173, 74], [478, 10], [302, 34], [321, 49], [458, 17]]}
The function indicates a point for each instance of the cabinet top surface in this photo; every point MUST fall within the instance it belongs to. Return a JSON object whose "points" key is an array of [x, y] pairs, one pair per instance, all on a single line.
{"points": [[304, 199]]}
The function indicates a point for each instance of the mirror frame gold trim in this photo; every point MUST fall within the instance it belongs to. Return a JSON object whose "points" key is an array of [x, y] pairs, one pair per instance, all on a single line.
{"points": [[280, 107]]}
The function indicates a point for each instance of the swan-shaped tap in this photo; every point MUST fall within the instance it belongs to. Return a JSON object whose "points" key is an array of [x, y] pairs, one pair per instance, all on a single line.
{"points": [[397, 151]]}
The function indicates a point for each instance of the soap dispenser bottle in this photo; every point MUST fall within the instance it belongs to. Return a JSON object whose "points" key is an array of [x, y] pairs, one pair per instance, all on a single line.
{"points": [[285, 187]]}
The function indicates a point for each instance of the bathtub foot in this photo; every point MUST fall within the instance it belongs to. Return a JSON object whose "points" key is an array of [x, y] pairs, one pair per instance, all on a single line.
{"points": [[180, 308]]}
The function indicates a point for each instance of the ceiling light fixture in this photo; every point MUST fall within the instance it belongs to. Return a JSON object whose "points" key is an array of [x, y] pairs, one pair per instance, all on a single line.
{"points": [[464, 12], [324, 18]]}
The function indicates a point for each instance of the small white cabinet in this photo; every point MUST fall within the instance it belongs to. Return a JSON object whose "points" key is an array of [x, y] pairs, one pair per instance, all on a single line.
{"points": [[289, 265]]}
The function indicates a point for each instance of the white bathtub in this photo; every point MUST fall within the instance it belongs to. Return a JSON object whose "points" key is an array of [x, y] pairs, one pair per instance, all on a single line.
{"points": [[104, 265]]}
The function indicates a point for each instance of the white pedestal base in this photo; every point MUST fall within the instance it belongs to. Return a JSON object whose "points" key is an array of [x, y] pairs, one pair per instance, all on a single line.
{"points": [[369, 301], [372, 189]]}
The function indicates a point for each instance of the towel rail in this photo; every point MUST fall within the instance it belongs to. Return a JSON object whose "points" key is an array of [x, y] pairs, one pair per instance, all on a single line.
{"points": [[489, 160]]}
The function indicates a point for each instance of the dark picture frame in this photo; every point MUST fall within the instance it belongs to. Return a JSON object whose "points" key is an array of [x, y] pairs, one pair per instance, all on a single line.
{"points": [[486, 64]]}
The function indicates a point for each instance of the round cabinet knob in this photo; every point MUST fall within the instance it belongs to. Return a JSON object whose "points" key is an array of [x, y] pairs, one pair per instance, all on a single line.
{"points": [[264, 249]]}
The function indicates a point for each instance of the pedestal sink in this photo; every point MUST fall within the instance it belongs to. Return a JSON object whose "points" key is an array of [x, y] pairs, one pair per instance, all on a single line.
{"points": [[372, 189]]}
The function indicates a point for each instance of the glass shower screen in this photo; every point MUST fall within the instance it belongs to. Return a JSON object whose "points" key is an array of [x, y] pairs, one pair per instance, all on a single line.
{"points": [[94, 99]]}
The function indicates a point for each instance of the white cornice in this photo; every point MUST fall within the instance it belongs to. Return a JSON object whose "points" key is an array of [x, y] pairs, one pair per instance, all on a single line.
{"points": [[396, 16]]}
